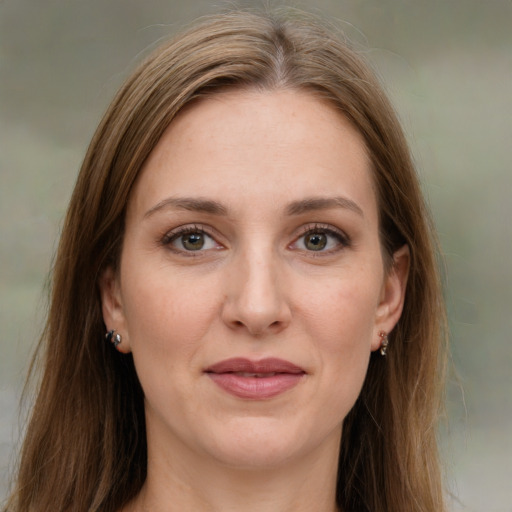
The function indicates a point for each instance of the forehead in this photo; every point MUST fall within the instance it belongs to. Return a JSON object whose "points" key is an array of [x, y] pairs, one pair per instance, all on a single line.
{"points": [[240, 146]]}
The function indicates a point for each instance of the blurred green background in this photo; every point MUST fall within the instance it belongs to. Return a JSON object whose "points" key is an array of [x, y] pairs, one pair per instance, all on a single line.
{"points": [[448, 67]]}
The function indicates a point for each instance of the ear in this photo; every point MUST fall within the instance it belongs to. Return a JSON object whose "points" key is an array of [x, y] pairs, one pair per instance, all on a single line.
{"points": [[112, 307], [392, 295]]}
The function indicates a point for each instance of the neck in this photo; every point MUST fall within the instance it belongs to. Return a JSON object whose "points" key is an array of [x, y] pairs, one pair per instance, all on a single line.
{"points": [[175, 484]]}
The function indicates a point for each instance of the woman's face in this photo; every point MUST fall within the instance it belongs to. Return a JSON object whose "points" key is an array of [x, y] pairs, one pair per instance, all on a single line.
{"points": [[251, 289]]}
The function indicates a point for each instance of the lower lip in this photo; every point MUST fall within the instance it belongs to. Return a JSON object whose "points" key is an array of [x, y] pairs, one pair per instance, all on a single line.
{"points": [[256, 388]]}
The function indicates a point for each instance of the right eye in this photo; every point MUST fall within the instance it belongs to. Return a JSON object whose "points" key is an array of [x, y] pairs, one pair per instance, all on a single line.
{"points": [[190, 239]]}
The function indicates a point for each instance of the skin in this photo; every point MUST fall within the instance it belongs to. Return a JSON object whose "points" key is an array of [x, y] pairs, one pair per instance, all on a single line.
{"points": [[256, 289]]}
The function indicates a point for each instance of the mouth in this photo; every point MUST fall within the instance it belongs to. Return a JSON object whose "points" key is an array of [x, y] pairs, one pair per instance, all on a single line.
{"points": [[255, 380]]}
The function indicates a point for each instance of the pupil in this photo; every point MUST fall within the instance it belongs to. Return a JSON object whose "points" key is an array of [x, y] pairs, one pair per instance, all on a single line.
{"points": [[316, 242], [193, 241]]}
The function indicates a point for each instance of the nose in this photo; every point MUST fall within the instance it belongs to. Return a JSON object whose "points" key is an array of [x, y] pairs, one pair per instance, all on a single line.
{"points": [[256, 300]]}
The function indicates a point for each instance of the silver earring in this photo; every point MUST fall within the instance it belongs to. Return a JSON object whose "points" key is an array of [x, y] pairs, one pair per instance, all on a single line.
{"points": [[384, 342], [113, 338]]}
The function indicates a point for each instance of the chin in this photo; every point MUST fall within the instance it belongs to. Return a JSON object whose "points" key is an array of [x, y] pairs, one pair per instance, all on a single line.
{"points": [[261, 443]]}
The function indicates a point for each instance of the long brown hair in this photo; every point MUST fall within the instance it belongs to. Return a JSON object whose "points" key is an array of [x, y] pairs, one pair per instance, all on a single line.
{"points": [[85, 446]]}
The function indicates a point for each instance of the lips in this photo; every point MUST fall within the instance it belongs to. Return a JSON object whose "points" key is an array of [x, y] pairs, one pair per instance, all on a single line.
{"points": [[255, 380]]}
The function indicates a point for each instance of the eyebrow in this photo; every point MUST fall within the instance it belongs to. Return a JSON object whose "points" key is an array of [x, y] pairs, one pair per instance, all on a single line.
{"points": [[189, 203], [322, 203], [302, 206]]}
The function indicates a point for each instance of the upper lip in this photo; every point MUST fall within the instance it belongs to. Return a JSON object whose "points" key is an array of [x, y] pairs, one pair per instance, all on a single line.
{"points": [[244, 365]]}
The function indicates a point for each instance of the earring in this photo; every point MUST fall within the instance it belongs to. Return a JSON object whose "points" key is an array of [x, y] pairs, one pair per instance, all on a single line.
{"points": [[384, 342], [113, 338]]}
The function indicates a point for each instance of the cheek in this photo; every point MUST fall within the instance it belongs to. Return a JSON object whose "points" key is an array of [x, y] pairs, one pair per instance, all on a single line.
{"points": [[167, 319], [344, 312], [341, 324], [166, 311]]}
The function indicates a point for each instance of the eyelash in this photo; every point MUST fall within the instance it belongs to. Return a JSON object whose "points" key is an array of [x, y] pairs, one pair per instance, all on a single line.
{"points": [[175, 234], [343, 241]]}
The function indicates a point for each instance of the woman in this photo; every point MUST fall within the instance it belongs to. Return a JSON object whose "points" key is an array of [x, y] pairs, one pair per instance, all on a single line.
{"points": [[246, 312]]}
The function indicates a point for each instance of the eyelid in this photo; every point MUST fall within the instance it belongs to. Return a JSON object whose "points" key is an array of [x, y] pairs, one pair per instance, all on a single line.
{"points": [[342, 238], [328, 229], [173, 234]]}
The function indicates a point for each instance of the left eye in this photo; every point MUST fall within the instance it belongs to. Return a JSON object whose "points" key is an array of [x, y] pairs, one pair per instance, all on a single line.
{"points": [[192, 241], [320, 240]]}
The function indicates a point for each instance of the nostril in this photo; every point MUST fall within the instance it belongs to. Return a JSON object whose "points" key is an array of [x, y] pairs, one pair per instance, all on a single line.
{"points": [[255, 310]]}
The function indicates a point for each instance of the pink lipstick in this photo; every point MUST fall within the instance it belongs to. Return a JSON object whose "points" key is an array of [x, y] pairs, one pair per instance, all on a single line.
{"points": [[255, 380]]}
